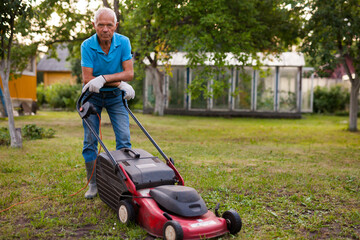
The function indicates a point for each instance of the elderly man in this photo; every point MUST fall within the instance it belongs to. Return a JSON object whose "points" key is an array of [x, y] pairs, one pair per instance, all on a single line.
{"points": [[106, 62]]}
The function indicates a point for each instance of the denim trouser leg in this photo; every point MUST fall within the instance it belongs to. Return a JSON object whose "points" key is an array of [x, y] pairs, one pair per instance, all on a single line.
{"points": [[112, 102], [90, 149], [119, 118]]}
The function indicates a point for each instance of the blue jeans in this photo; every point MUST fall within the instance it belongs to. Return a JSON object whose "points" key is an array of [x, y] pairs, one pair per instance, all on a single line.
{"points": [[113, 103]]}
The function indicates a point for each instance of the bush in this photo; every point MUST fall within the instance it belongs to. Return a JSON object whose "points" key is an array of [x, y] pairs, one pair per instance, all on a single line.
{"points": [[65, 96], [331, 100], [29, 132], [4, 136], [40, 94], [59, 95]]}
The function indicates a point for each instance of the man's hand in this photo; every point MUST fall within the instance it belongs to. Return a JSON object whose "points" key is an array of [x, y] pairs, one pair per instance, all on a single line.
{"points": [[129, 91], [95, 84]]}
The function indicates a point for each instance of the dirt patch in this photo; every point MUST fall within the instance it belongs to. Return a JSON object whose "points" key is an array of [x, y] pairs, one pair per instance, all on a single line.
{"points": [[83, 231], [148, 237], [327, 232], [22, 221]]}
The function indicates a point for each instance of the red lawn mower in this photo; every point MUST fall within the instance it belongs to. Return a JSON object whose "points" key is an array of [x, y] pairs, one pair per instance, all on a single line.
{"points": [[143, 189]]}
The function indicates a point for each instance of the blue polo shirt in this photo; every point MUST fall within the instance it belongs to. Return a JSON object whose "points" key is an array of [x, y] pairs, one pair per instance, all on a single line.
{"points": [[93, 56]]}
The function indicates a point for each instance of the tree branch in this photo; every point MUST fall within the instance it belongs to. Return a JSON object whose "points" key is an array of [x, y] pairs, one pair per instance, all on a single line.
{"points": [[2, 48], [106, 4], [343, 59], [12, 23], [67, 40], [184, 21], [116, 10], [150, 59]]}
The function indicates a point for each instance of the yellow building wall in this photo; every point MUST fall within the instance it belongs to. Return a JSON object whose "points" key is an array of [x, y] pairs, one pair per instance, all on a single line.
{"points": [[23, 87], [58, 77]]}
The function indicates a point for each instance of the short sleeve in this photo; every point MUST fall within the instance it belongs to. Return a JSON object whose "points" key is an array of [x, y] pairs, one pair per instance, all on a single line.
{"points": [[86, 60], [126, 51]]}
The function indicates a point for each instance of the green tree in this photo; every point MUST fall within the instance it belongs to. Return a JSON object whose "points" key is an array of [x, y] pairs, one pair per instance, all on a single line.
{"points": [[158, 28], [15, 21], [334, 38], [153, 30], [22, 21], [71, 30], [244, 28]]}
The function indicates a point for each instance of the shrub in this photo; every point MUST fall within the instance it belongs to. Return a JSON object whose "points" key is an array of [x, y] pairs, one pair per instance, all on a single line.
{"points": [[31, 132], [65, 96], [330, 100], [59, 95], [4, 136], [62, 95], [40, 94]]}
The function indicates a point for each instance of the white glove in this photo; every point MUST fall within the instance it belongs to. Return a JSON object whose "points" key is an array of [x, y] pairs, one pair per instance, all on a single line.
{"points": [[129, 91], [95, 84]]}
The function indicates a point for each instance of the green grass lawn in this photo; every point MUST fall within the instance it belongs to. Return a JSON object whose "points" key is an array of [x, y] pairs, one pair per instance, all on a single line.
{"points": [[288, 179]]}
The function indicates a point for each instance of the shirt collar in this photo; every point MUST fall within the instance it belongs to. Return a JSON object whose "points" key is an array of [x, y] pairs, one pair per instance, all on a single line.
{"points": [[115, 42]]}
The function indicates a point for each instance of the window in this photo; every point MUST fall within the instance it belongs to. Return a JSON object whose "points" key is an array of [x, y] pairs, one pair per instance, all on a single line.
{"points": [[176, 91], [307, 90], [243, 88], [221, 89], [265, 89], [30, 68], [198, 97], [288, 79], [149, 94]]}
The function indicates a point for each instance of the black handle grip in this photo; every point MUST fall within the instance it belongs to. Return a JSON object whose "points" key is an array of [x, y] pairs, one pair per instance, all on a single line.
{"points": [[135, 153], [80, 102]]}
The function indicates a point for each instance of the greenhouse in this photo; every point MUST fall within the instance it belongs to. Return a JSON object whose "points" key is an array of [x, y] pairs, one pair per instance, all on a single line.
{"points": [[280, 88]]}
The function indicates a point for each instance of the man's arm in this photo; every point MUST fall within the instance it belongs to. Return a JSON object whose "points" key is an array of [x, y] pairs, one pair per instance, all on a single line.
{"points": [[87, 74], [126, 75], [112, 79]]}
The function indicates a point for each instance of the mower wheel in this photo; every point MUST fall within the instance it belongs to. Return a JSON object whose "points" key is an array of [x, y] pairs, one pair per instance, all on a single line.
{"points": [[126, 212], [233, 221], [173, 231]]}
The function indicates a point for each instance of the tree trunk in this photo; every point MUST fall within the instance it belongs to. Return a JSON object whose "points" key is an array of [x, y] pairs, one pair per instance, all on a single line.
{"points": [[354, 104], [14, 136], [158, 84]]}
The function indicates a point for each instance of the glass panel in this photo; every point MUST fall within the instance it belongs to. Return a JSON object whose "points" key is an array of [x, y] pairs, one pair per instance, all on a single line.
{"points": [[198, 98], [265, 89], [150, 101], [176, 94], [288, 89], [306, 91], [243, 89], [221, 90]]}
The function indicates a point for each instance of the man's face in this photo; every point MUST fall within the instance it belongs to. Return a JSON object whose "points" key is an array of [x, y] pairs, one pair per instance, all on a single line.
{"points": [[105, 26]]}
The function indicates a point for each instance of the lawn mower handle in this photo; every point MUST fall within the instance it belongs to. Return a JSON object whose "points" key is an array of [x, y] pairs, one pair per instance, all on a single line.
{"points": [[145, 132], [79, 101], [85, 109]]}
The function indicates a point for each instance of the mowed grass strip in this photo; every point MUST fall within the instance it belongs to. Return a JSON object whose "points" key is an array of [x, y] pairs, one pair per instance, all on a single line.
{"points": [[290, 179]]}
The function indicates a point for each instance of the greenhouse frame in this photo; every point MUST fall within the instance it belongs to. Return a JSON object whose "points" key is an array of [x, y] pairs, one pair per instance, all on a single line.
{"points": [[280, 88]]}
